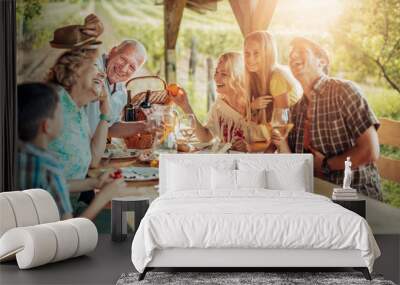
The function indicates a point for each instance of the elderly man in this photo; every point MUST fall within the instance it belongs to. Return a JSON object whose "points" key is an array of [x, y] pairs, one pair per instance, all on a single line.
{"points": [[119, 65], [332, 120]]}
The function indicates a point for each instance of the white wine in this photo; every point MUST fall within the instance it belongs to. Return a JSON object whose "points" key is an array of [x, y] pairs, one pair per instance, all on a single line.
{"points": [[283, 129]]}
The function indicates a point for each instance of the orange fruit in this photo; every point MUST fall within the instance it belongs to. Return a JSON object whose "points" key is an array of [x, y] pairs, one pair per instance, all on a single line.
{"points": [[154, 163], [173, 89]]}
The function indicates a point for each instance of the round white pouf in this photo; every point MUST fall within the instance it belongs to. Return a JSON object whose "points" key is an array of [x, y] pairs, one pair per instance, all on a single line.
{"points": [[23, 208], [45, 205], [34, 246], [6, 215], [67, 240], [87, 235]]}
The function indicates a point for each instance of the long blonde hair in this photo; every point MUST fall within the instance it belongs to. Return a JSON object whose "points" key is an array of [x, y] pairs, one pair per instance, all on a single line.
{"points": [[65, 70], [233, 62], [259, 84]]}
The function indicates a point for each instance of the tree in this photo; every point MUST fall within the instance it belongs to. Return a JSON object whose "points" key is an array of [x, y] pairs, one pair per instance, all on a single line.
{"points": [[367, 40]]}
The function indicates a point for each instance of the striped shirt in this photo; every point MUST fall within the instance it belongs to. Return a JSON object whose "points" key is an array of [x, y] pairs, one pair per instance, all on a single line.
{"points": [[37, 168], [338, 115]]}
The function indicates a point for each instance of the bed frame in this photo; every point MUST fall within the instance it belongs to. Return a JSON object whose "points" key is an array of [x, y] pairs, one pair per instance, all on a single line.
{"points": [[246, 259], [242, 259]]}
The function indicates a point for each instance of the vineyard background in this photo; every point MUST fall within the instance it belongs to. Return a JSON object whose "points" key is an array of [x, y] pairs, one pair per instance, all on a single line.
{"points": [[213, 33]]}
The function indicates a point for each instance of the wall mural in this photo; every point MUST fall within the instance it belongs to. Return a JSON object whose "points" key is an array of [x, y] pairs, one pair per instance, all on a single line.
{"points": [[96, 110]]}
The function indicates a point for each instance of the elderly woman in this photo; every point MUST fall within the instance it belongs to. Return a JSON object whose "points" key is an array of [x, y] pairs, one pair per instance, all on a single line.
{"points": [[78, 83], [78, 80]]}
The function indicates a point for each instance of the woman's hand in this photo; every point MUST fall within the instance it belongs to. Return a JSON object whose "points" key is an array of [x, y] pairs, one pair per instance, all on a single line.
{"points": [[276, 138], [261, 102], [101, 93], [279, 141], [241, 145], [181, 99], [104, 104], [93, 26]]}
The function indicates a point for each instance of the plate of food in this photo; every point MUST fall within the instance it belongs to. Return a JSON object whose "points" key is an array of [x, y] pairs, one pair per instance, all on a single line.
{"points": [[133, 173], [118, 153], [147, 156]]}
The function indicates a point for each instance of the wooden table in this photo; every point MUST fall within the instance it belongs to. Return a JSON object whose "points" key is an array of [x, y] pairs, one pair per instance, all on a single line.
{"points": [[134, 188]]}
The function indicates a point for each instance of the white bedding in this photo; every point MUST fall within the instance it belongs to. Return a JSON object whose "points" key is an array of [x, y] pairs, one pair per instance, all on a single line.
{"points": [[251, 218]]}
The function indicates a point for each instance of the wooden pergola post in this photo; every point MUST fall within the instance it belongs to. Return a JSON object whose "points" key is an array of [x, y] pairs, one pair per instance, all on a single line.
{"points": [[173, 11], [253, 15]]}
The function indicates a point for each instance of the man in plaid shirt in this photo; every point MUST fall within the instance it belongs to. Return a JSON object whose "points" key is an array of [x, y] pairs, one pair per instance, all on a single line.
{"points": [[333, 121]]}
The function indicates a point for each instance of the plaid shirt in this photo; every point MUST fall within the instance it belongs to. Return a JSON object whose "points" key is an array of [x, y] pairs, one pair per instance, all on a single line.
{"points": [[37, 168], [339, 115]]}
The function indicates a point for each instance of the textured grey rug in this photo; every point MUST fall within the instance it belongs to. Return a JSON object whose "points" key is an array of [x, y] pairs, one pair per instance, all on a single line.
{"points": [[269, 278]]}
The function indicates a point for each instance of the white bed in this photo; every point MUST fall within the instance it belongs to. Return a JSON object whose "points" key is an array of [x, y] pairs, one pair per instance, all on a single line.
{"points": [[226, 226]]}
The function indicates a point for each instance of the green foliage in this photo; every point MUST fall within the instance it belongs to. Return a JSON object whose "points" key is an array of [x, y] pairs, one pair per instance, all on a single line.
{"points": [[37, 19], [152, 39], [27, 11], [391, 193], [367, 41], [212, 44], [384, 102], [390, 151]]}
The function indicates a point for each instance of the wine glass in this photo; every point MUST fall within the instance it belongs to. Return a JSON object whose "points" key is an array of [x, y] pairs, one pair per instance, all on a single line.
{"points": [[169, 121], [280, 120], [154, 127], [187, 125]]}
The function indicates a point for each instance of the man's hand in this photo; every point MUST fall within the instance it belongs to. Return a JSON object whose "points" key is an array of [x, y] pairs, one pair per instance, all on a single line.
{"points": [[93, 26], [318, 158], [261, 102]]}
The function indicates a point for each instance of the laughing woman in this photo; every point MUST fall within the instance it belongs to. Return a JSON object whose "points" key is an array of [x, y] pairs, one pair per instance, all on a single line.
{"points": [[76, 79], [227, 116], [268, 84]]}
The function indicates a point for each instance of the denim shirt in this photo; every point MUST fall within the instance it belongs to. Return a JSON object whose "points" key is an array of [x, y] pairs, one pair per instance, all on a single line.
{"points": [[117, 98], [72, 146]]}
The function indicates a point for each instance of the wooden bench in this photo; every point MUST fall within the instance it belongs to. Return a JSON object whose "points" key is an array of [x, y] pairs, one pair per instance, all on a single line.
{"points": [[389, 134]]}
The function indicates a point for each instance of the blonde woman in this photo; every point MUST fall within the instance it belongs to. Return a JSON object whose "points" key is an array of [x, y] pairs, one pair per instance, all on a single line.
{"points": [[227, 116], [268, 84]]}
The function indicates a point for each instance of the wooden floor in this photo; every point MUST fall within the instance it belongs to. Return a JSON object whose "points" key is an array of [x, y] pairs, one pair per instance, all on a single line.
{"points": [[111, 259], [103, 266]]}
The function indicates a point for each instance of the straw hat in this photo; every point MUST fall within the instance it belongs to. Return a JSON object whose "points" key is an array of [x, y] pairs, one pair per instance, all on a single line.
{"points": [[71, 37]]}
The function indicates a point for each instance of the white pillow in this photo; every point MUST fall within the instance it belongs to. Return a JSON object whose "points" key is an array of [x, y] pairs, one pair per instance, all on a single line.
{"points": [[251, 178], [223, 179], [289, 179], [183, 177]]}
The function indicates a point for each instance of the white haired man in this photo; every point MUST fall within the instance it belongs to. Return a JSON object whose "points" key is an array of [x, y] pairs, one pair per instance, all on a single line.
{"points": [[119, 65]]}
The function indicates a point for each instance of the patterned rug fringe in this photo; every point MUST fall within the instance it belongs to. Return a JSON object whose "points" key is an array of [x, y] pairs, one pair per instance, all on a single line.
{"points": [[244, 278]]}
